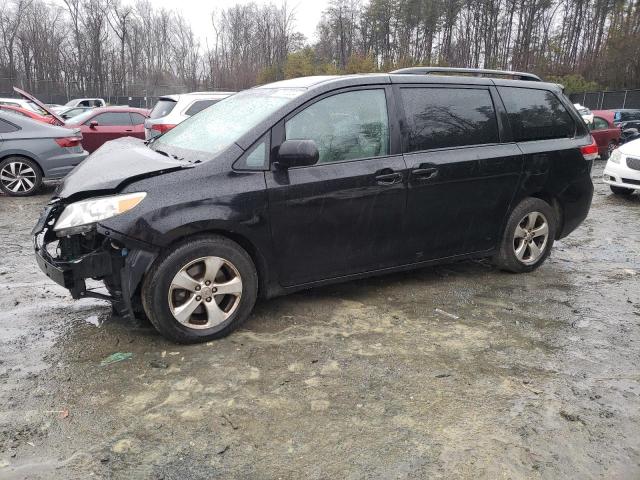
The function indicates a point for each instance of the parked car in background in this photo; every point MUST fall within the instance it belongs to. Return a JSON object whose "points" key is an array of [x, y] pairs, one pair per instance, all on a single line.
{"points": [[625, 115], [23, 103], [68, 113], [170, 110], [605, 132], [29, 114], [318, 180], [622, 171], [585, 113], [33, 151], [99, 125], [83, 102]]}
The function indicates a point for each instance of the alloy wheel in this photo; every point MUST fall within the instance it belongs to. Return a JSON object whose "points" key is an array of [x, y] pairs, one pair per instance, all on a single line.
{"points": [[531, 237], [18, 177], [205, 292]]}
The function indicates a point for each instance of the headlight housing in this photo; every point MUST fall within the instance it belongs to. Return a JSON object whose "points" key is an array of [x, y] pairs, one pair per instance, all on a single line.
{"points": [[87, 212], [616, 156]]}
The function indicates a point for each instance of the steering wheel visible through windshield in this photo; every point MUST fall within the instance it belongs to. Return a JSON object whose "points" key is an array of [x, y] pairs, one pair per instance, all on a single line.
{"points": [[217, 127]]}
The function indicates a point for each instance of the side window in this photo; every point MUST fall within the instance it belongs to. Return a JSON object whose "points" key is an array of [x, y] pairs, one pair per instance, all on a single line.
{"points": [[257, 157], [448, 117], [536, 114], [84, 103], [6, 127], [599, 124], [346, 126], [136, 118], [199, 106], [111, 119]]}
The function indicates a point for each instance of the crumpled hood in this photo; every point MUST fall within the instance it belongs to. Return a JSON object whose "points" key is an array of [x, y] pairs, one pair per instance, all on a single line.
{"points": [[115, 163]]}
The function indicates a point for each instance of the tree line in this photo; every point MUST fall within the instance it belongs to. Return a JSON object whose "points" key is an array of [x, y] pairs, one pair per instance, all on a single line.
{"points": [[113, 47]]}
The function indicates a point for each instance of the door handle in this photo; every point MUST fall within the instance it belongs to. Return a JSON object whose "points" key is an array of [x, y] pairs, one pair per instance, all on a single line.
{"points": [[425, 173], [389, 178], [128, 130]]}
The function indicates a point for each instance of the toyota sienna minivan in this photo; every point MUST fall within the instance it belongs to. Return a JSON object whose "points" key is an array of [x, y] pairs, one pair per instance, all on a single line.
{"points": [[318, 180]]}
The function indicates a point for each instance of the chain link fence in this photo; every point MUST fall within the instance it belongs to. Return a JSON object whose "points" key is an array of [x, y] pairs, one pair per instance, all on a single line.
{"points": [[608, 100]]}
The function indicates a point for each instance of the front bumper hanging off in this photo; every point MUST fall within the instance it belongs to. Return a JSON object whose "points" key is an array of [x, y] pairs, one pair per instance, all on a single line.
{"points": [[70, 261]]}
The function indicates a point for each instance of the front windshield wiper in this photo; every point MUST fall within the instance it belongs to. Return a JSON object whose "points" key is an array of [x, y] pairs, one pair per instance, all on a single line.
{"points": [[162, 152]]}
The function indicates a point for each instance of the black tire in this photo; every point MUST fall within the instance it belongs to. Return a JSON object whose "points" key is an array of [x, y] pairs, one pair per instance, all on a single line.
{"points": [[506, 258], [610, 148], [33, 176], [625, 192], [157, 285]]}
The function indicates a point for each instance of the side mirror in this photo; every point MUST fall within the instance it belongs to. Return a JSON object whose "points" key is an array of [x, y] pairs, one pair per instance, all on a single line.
{"points": [[93, 124], [297, 153]]}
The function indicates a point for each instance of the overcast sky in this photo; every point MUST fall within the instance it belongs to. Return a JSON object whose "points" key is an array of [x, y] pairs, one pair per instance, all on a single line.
{"points": [[198, 12]]}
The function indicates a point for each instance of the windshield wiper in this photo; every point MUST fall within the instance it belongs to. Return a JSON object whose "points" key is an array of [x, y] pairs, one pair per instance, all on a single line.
{"points": [[170, 155]]}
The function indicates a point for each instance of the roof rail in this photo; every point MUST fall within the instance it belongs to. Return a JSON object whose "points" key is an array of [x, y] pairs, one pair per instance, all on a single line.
{"points": [[472, 71]]}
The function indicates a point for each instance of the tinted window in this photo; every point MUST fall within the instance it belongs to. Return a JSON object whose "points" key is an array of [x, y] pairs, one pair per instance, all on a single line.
{"points": [[199, 106], [346, 126], [629, 115], [162, 108], [599, 124], [448, 117], [6, 127], [112, 119], [84, 103], [536, 114], [137, 119]]}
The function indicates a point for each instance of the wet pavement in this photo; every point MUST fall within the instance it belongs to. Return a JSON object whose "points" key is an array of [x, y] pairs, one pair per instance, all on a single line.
{"points": [[457, 371]]}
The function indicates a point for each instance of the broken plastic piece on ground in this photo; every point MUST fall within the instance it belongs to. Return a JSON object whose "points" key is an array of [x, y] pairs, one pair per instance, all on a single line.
{"points": [[116, 357]]}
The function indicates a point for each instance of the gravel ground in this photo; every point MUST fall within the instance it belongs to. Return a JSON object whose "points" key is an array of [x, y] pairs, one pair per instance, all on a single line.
{"points": [[458, 371]]}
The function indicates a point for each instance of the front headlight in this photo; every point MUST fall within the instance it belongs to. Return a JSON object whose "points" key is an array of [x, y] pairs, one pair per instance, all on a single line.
{"points": [[616, 156], [87, 212]]}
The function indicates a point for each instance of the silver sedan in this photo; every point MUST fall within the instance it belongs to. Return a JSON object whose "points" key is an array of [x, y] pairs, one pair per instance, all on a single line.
{"points": [[32, 151]]}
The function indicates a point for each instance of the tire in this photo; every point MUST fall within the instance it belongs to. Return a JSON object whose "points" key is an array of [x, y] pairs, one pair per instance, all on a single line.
{"points": [[610, 148], [178, 281], [625, 192], [525, 226], [19, 176]]}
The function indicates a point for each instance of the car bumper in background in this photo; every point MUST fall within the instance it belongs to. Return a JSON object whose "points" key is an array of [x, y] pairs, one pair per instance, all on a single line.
{"points": [[621, 175]]}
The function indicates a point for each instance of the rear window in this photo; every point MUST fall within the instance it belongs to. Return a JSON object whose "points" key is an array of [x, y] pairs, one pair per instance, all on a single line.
{"points": [[448, 117], [536, 114], [199, 106], [162, 108]]}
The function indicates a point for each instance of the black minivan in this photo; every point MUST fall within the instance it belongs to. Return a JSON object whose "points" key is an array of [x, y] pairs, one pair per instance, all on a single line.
{"points": [[316, 180]]}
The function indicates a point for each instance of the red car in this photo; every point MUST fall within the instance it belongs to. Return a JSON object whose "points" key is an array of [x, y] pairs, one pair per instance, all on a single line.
{"points": [[605, 133], [31, 114], [100, 125]]}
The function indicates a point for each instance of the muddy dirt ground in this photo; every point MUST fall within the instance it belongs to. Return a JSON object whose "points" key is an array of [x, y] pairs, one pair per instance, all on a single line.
{"points": [[458, 371]]}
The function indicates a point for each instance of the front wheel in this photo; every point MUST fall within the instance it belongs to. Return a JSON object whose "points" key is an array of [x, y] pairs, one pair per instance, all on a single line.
{"points": [[202, 289], [621, 190], [528, 237]]}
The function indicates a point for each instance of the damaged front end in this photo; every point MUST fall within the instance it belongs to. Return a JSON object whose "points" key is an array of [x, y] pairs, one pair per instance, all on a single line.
{"points": [[71, 257]]}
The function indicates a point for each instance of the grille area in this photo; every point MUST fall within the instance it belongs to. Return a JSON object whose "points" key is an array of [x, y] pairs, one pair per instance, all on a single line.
{"points": [[633, 163], [632, 182]]}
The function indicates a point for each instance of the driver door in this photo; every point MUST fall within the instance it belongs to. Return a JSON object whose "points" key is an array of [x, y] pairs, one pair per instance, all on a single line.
{"points": [[342, 215]]}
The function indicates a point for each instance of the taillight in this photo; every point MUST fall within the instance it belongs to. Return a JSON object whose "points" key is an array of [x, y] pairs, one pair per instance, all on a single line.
{"points": [[590, 152], [162, 127], [69, 142]]}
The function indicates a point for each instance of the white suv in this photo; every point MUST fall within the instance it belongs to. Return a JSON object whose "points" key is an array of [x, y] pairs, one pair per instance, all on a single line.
{"points": [[170, 110]]}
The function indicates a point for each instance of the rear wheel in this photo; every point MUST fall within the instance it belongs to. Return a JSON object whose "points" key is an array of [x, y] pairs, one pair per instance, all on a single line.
{"points": [[621, 190], [610, 148], [19, 176], [201, 290], [528, 236]]}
